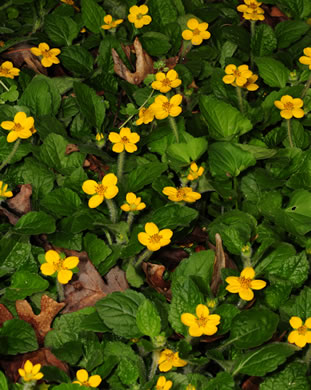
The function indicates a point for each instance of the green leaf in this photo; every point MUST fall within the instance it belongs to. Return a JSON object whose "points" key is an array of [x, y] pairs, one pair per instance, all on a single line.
{"points": [[299, 305], [300, 9], [144, 174], [186, 297], [264, 41], [61, 30], [92, 15], [118, 311], [16, 337], [163, 12], [227, 313], [54, 374], [92, 352], [128, 371], [187, 152], [61, 202], [6, 148], [148, 319], [224, 121], [25, 284], [273, 72], [294, 377], [155, 43], [77, 60], [253, 327], [96, 248], [290, 31], [93, 323], [266, 359], [3, 382], [91, 105], [222, 381], [41, 96], [16, 253], [69, 352], [173, 216], [133, 276], [226, 159], [35, 222]]}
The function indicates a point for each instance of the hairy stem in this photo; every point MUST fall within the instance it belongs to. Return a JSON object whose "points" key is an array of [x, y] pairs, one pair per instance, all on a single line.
{"points": [[240, 99], [144, 256], [307, 86], [112, 210], [4, 86], [253, 25], [130, 219], [60, 291], [154, 365], [11, 155], [289, 132], [173, 125], [120, 165]]}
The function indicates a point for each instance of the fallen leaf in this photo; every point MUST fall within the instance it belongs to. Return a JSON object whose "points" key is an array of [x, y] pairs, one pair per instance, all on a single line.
{"points": [[95, 165], [41, 322], [5, 315], [10, 216], [144, 64], [252, 383], [42, 356], [219, 264], [154, 274], [21, 54], [70, 148], [276, 12], [21, 203]]}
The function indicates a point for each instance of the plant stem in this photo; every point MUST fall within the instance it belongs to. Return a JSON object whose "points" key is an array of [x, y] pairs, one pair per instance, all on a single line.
{"points": [[154, 365], [307, 358], [120, 165], [289, 132], [307, 86], [236, 190], [108, 236], [144, 256], [112, 210], [173, 125], [6, 5], [60, 291], [11, 155], [240, 99], [241, 304], [130, 219], [253, 25], [4, 86]]}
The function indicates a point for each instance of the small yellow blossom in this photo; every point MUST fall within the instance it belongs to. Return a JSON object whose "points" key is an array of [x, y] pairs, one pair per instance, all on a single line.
{"points": [[211, 303], [99, 137], [48, 55], [153, 238], [3, 191], [190, 387], [110, 23], [125, 140], [21, 127], [83, 379], [244, 284], [107, 189], [185, 194], [202, 323], [54, 263], [250, 83], [7, 70], [83, 30], [195, 172], [169, 359], [197, 32], [165, 82], [30, 372], [163, 384], [251, 10], [301, 335], [2, 43], [146, 115], [138, 16], [133, 203], [236, 75], [162, 107], [69, 2], [290, 107], [306, 59]]}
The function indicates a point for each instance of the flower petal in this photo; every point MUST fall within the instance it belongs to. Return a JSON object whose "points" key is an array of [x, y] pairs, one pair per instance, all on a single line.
{"points": [[187, 35], [28, 367], [130, 148], [143, 238], [114, 137], [64, 276], [95, 380], [36, 369], [192, 23], [258, 284], [166, 233], [295, 322], [47, 269], [82, 375], [151, 228], [109, 180], [248, 273], [246, 294], [95, 201], [111, 192], [298, 112], [52, 257], [188, 319], [89, 187], [286, 114], [176, 99], [71, 262], [12, 136], [195, 330], [202, 311], [7, 125]]}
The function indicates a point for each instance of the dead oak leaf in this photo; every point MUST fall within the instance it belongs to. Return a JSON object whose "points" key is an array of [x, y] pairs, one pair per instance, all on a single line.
{"points": [[10, 216], [154, 274], [21, 203], [5, 314]]}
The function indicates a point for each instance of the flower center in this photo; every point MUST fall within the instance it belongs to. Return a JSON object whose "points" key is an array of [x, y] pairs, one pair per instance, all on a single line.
{"points": [[18, 127], [180, 193], [133, 206], [4, 71], [59, 265], [253, 5], [201, 321], [302, 330], [237, 73], [100, 189], [125, 140], [139, 16], [166, 106], [288, 106], [166, 82], [194, 174], [245, 282], [154, 239], [196, 31]]}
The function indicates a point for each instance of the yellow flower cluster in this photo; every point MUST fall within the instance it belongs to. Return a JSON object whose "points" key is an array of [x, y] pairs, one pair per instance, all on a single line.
{"points": [[245, 284], [107, 189], [21, 127], [240, 76], [169, 359], [133, 203], [202, 323], [196, 32], [110, 23], [163, 384], [30, 372], [126, 140], [301, 335], [60, 264], [48, 56], [153, 238], [83, 379], [185, 194], [290, 107], [251, 10], [165, 82], [138, 16]]}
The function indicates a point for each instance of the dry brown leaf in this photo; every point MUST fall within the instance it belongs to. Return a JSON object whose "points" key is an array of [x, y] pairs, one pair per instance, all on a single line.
{"points": [[21, 54], [70, 148], [21, 203], [41, 322], [5, 315], [144, 64], [10, 216], [154, 274], [252, 383], [219, 264], [94, 164], [42, 356]]}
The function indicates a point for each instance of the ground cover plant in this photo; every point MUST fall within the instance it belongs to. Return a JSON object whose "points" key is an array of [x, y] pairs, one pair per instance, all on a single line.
{"points": [[155, 188]]}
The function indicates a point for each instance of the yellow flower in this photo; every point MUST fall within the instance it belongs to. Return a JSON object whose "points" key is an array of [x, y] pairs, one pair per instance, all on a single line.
{"points": [[7, 70], [83, 30], [48, 55], [99, 137], [244, 284], [133, 203], [197, 32], [190, 387], [110, 23], [181, 194], [54, 263], [3, 191], [202, 323], [195, 171], [69, 2], [20, 127], [163, 384], [154, 239], [30, 372], [146, 115], [162, 107], [301, 335], [125, 140], [85, 380], [251, 10], [211, 303], [306, 59], [169, 359], [2, 43], [138, 16], [290, 107], [236, 75], [106, 189], [165, 82], [250, 83]]}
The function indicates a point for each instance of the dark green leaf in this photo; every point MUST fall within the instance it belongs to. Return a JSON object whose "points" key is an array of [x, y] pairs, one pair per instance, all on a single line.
{"points": [[172, 216], [155, 43], [293, 377], [148, 319], [96, 248], [25, 284], [144, 175], [290, 31], [77, 60], [92, 15], [19, 337], [163, 12], [61, 202], [61, 30], [264, 41], [3, 382], [273, 72], [35, 222]]}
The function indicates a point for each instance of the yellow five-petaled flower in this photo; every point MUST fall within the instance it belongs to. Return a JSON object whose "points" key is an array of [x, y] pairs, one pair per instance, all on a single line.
{"points": [[125, 140], [169, 359], [3, 191], [83, 379], [163, 384], [237, 75], [133, 203], [185, 194], [107, 189], [138, 16], [301, 335], [21, 127], [290, 107], [197, 32], [146, 115], [60, 264], [30, 372], [49, 56], [165, 82], [153, 238], [244, 284], [251, 10], [7, 70], [195, 172], [202, 323], [306, 59], [162, 107], [110, 23]]}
